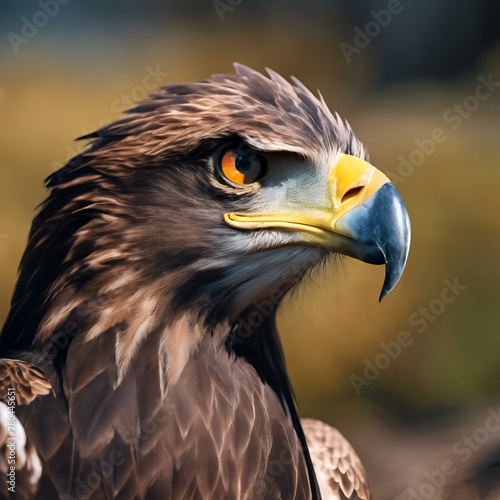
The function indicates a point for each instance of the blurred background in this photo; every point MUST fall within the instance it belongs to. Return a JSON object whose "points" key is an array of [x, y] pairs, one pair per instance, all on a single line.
{"points": [[413, 382]]}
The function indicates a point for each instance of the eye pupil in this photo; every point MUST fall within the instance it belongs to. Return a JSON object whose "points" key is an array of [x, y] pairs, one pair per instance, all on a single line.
{"points": [[241, 168], [243, 163]]}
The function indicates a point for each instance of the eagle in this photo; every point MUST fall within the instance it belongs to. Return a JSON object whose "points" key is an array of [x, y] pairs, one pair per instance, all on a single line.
{"points": [[141, 343]]}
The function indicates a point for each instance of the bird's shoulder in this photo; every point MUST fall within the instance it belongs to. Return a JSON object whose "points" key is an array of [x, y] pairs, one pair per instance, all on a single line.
{"points": [[340, 473]]}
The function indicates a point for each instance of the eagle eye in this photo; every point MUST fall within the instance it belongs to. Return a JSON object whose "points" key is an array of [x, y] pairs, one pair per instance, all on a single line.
{"points": [[240, 168]]}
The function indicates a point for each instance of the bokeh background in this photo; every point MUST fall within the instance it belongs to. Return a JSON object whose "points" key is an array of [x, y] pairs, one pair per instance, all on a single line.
{"points": [[398, 71]]}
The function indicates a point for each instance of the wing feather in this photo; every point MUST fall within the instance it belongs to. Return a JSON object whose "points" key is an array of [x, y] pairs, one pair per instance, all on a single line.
{"points": [[340, 473]]}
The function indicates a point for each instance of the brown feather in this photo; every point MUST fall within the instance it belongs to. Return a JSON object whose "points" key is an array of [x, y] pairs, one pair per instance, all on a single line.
{"points": [[340, 473]]}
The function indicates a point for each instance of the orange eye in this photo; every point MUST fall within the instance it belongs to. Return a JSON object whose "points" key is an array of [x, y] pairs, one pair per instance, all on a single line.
{"points": [[241, 168]]}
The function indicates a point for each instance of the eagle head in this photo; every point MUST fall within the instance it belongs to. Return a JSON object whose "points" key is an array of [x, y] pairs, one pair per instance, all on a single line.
{"points": [[219, 193]]}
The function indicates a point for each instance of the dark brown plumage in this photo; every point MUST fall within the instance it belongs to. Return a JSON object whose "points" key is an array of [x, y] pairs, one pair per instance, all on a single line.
{"points": [[135, 297]]}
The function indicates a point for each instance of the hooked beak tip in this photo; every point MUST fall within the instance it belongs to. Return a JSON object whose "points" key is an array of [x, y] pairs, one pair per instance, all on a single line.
{"points": [[382, 226]]}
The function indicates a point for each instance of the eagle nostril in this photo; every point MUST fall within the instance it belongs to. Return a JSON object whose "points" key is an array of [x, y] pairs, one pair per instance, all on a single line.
{"points": [[351, 193]]}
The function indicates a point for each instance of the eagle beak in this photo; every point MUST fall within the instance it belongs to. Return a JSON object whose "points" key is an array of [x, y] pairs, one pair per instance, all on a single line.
{"points": [[366, 219], [380, 228], [372, 214]]}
